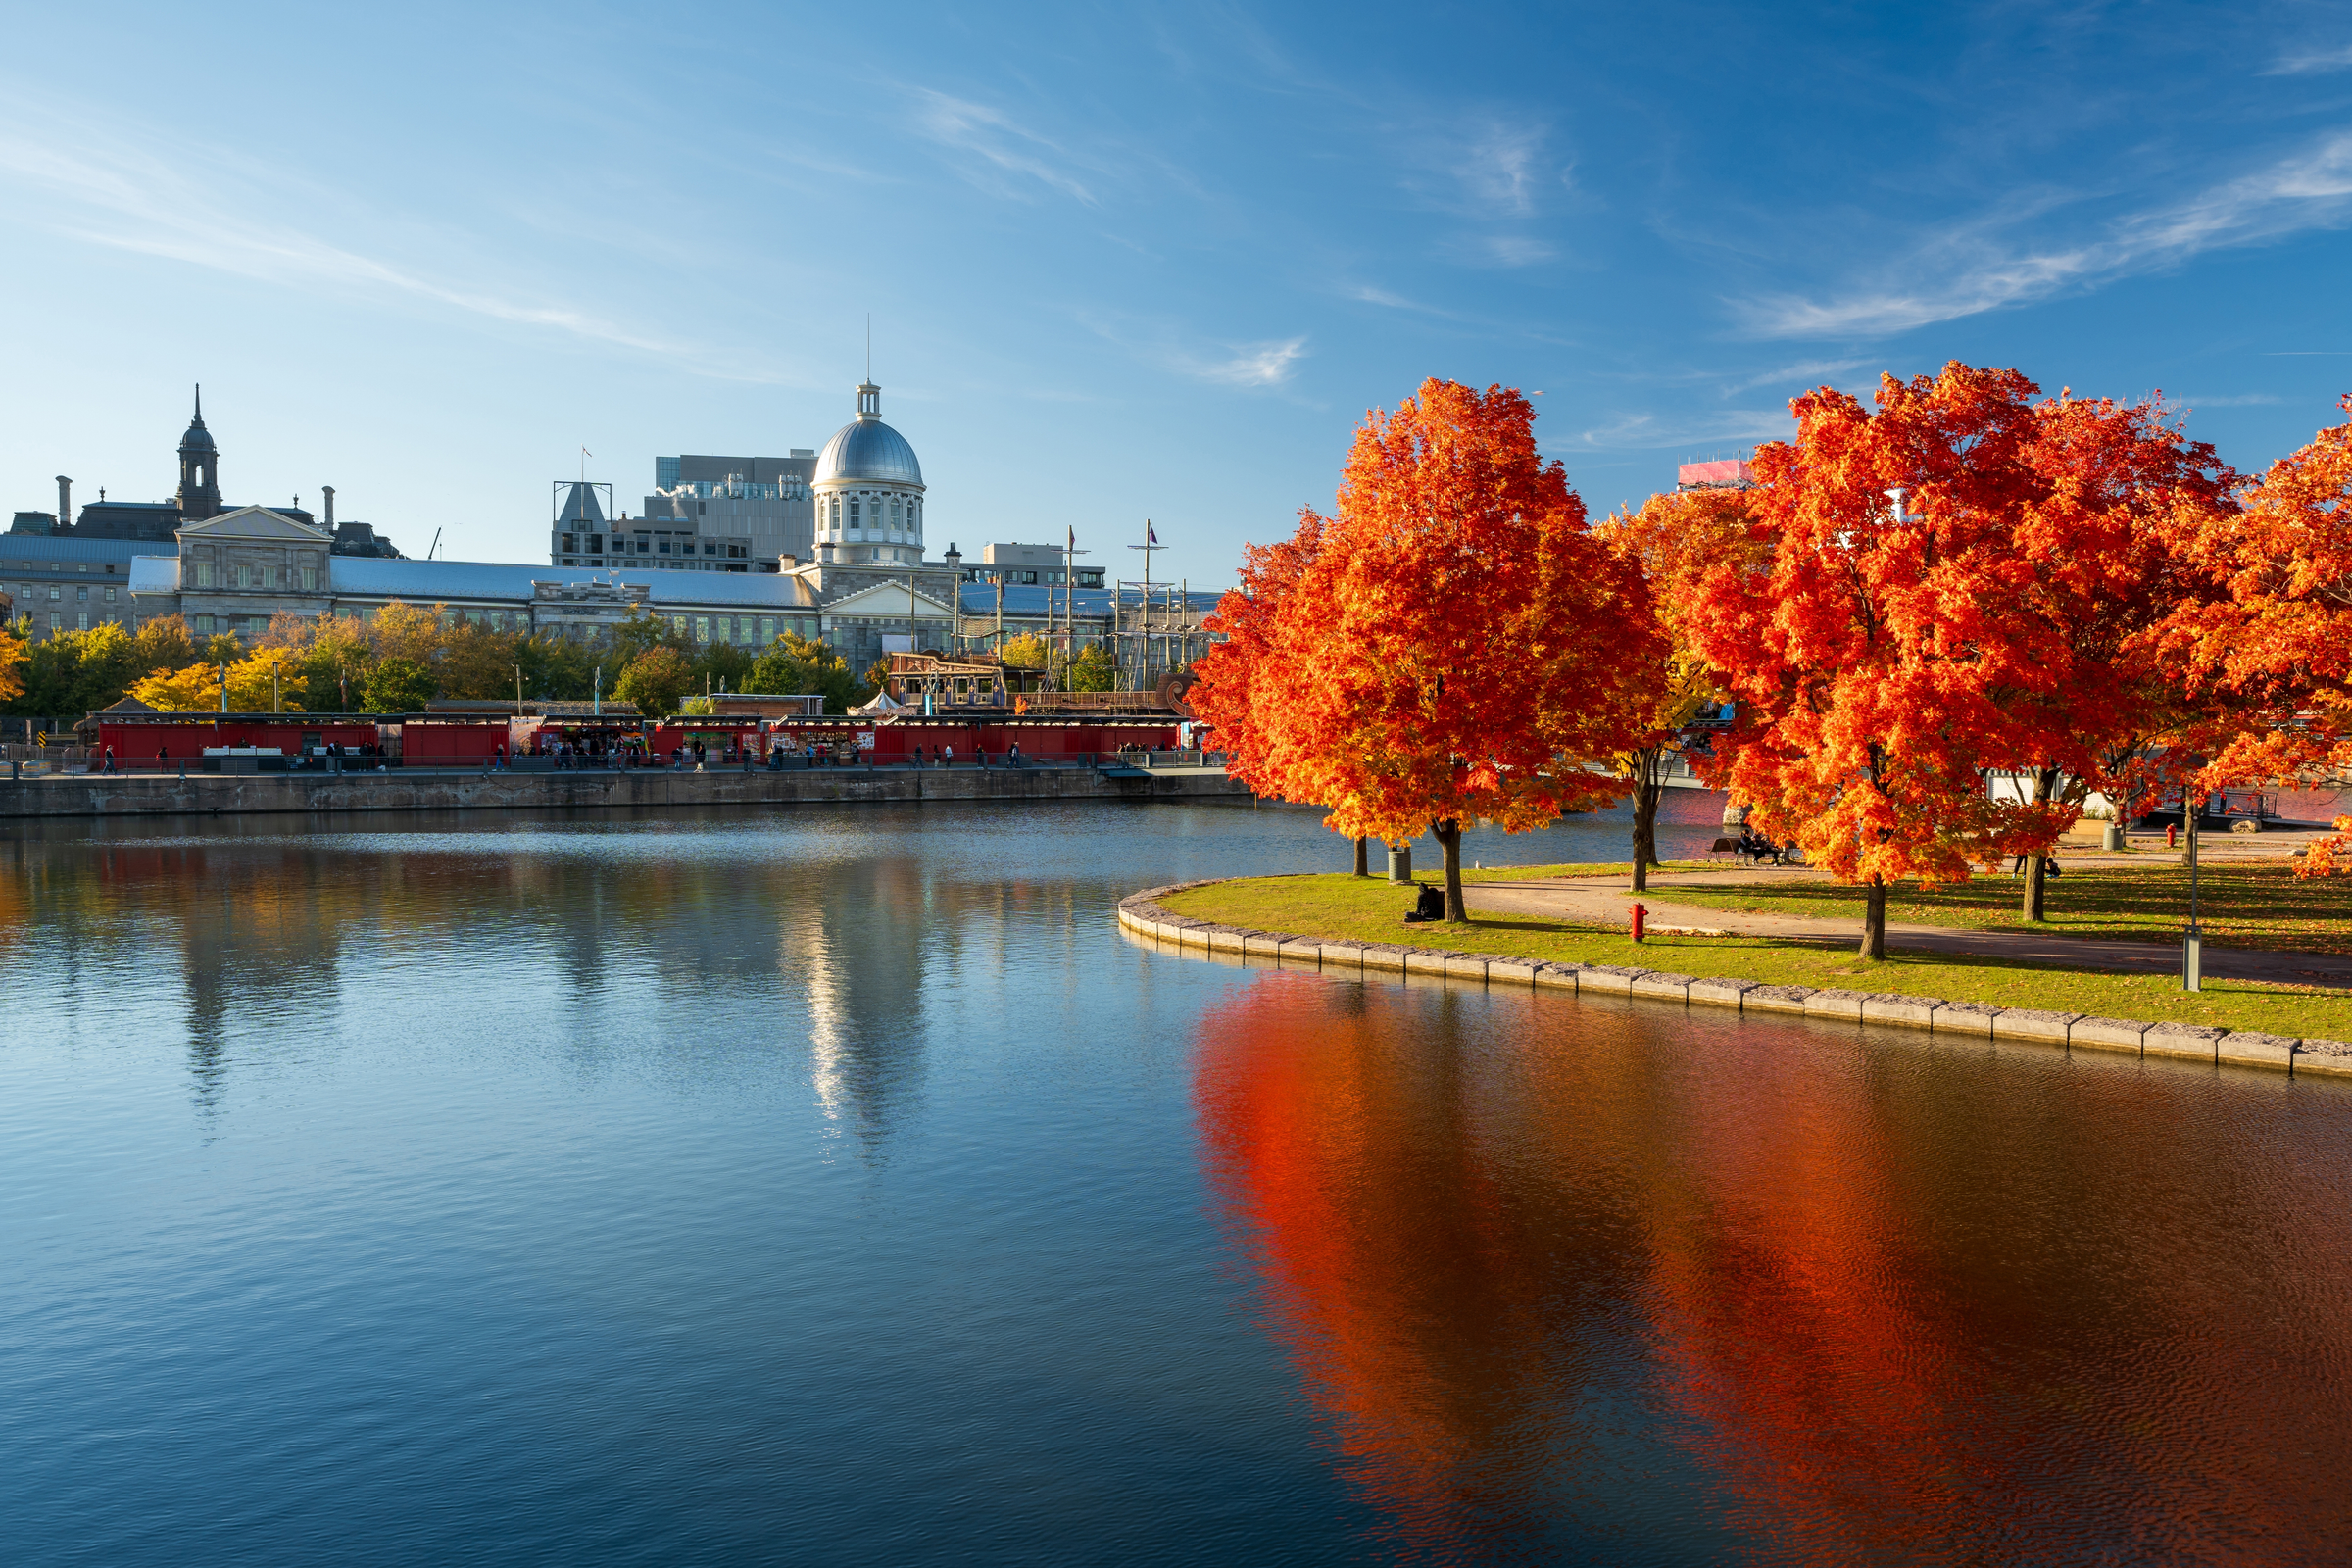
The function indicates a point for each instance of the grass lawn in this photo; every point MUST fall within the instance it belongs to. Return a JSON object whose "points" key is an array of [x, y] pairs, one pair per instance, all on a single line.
{"points": [[1342, 906], [2260, 905]]}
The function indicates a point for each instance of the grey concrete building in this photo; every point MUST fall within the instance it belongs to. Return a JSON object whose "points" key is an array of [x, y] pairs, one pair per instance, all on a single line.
{"points": [[61, 582]]}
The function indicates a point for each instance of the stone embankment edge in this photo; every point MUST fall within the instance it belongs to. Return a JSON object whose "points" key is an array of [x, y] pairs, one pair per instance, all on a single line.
{"points": [[421, 790], [1141, 912]]}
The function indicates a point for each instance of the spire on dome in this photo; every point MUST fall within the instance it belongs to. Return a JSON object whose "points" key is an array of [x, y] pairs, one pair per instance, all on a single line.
{"points": [[197, 438], [199, 463]]}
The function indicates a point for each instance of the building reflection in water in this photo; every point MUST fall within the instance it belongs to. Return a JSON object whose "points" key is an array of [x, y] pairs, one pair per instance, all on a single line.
{"points": [[1560, 1276], [836, 939]]}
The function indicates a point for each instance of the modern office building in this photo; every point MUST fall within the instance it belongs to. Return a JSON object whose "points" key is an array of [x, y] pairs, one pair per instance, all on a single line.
{"points": [[582, 535], [767, 500]]}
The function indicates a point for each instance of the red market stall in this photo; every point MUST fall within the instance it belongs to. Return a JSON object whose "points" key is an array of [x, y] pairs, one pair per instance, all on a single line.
{"points": [[137, 739]]}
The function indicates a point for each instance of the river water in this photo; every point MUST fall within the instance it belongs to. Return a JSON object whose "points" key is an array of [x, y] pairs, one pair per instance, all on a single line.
{"points": [[839, 1186]]}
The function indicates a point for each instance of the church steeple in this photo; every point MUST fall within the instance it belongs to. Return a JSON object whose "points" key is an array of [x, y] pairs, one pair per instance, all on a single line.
{"points": [[199, 471]]}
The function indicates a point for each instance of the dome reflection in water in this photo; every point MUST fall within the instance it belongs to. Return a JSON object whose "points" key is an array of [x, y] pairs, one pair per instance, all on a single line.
{"points": [[1602, 1278]]}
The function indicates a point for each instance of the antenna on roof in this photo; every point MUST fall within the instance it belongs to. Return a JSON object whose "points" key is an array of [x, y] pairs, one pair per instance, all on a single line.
{"points": [[869, 345], [436, 544]]}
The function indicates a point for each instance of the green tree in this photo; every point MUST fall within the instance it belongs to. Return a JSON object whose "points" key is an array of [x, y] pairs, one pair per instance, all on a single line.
{"points": [[1093, 670], [163, 642], [560, 669], [723, 664], [794, 663], [643, 631], [78, 671], [655, 680], [399, 686]]}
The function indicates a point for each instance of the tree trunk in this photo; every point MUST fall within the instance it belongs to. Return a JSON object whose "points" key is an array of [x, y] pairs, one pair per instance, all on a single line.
{"points": [[1646, 789], [2045, 779], [1448, 834], [1363, 858], [1874, 920]]}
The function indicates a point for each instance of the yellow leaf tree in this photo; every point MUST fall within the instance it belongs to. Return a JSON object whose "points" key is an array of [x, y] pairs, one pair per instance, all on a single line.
{"points": [[266, 682]]}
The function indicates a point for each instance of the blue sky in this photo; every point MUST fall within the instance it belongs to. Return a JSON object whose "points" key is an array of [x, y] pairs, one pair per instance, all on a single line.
{"points": [[1127, 261]]}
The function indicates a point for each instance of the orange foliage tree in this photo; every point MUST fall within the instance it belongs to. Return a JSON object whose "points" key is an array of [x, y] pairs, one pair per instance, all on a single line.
{"points": [[2002, 620], [2278, 641], [1452, 644], [1676, 541], [2099, 559]]}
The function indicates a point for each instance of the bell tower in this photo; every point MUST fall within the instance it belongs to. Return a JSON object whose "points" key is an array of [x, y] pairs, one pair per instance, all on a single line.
{"points": [[199, 471]]}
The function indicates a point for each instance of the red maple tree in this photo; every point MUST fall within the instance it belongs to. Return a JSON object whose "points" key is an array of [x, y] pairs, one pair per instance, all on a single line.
{"points": [[2274, 646], [1998, 616], [1451, 644]]}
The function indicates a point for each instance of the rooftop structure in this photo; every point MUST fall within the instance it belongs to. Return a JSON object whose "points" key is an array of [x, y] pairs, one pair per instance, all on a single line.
{"points": [[1025, 564], [1726, 473]]}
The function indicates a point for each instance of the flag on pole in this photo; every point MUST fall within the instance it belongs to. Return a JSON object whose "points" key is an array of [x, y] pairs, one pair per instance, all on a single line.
{"points": [[1150, 537]]}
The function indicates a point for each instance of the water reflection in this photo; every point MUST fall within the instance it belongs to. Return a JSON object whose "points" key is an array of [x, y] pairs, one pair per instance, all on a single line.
{"points": [[843, 1174], [1564, 1277]]}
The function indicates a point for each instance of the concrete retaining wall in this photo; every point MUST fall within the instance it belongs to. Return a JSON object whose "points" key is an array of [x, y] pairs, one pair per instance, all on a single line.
{"points": [[132, 795], [1143, 915]]}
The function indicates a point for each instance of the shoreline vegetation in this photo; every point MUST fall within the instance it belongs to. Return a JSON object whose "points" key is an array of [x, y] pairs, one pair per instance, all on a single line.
{"points": [[1338, 907]]}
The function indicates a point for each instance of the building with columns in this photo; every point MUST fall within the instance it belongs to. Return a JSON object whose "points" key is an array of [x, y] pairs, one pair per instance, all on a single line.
{"points": [[868, 592]]}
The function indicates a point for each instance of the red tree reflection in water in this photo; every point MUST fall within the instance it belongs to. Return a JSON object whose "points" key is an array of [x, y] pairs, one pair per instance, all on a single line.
{"points": [[1421, 1310], [1815, 1279]]}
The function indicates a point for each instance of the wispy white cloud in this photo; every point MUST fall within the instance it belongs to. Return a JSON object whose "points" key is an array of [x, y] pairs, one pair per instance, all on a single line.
{"points": [[111, 192], [1264, 363], [1965, 271], [1812, 372], [1387, 299], [1002, 145], [1497, 168], [2242, 400], [2311, 61], [1247, 364], [1641, 431], [1497, 250]]}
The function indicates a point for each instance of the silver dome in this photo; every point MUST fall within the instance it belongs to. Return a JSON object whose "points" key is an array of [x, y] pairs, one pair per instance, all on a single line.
{"points": [[868, 449]]}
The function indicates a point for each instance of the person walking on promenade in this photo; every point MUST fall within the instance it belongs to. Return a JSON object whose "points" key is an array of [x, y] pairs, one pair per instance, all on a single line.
{"points": [[1012, 756], [948, 752], [110, 758]]}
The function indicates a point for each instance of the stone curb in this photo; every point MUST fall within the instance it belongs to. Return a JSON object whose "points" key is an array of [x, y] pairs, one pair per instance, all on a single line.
{"points": [[1141, 912]]}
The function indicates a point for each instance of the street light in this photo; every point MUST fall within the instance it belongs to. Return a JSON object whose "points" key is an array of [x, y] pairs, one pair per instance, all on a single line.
{"points": [[2193, 941]]}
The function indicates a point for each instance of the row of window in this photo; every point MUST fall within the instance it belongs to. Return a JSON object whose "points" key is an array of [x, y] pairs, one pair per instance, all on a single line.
{"points": [[248, 626], [263, 578], [1087, 576], [28, 593], [745, 631], [657, 566], [871, 511], [590, 543], [61, 565]]}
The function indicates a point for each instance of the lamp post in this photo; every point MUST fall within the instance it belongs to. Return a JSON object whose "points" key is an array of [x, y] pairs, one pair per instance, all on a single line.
{"points": [[2193, 941]]}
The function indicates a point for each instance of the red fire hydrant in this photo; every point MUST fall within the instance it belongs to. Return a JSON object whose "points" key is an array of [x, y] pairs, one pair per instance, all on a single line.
{"points": [[2170, 829], [1641, 914]]}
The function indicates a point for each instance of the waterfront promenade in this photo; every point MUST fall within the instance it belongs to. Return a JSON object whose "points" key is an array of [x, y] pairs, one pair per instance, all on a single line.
{"points": [[473, 789], [1604, 899]]}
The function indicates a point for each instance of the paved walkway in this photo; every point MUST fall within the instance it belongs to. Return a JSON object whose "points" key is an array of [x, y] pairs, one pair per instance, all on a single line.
{"points": [[1607, 901]]}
